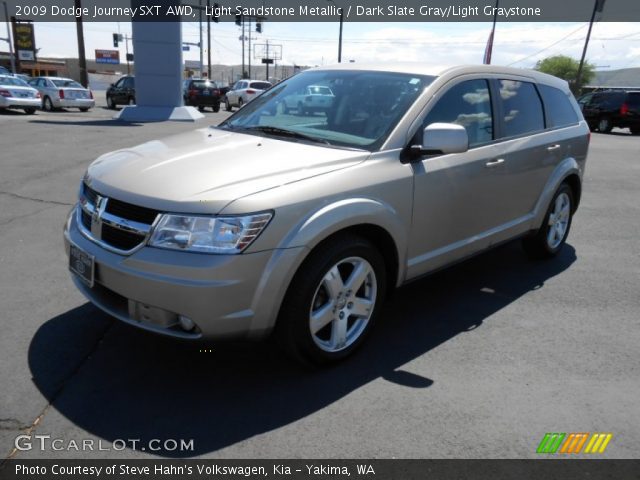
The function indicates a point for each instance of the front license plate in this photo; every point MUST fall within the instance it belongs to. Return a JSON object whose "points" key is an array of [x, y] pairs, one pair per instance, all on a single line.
{"points": [[82, 264]]}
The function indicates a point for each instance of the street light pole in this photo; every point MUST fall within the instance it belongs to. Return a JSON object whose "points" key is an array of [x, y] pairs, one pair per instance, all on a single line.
{"points": [[340, 34], [82, 58], [6, 17], [597, 7]]}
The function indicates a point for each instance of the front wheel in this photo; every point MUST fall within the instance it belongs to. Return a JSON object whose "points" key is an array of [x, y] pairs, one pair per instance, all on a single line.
{"points": [[111, 104], [83, 109], [29, 110], [216, 108], [333, 301], [551, 237], [227, 105]]}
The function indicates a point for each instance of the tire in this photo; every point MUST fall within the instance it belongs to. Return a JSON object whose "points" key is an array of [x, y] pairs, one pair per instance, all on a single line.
{"points": [[132, 101], [604, 125], [552, 235], [110, 103], [240, 102], [47, 104], [227, 105], [318, 323], [84, 109], [216, 108], [30, 111], [200, 108]]}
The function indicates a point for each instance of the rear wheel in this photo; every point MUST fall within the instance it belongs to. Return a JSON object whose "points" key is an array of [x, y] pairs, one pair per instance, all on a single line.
{"points": [[47, 104], [110, 103], [200, 108], [605, 125], [333, 301], [240, 102], [84, 109], [216, 108], [30, 111], [227, 105], [551, 237]]}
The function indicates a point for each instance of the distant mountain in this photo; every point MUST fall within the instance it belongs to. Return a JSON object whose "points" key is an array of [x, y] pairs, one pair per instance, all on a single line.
{"points": [[625, 77]]}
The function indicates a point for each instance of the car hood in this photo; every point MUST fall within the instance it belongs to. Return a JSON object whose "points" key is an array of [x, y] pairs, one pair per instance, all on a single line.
{"points": [[204, 170]]}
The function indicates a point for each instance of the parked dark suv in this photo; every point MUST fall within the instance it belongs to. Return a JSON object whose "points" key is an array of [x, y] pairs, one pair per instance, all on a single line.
{"points": [[201, 93], [123, 92], [612, 108]]}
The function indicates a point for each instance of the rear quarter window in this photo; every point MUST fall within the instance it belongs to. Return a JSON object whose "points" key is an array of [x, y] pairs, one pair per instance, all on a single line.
{"points": [[558, 108], [634, 99], [522, 108]]}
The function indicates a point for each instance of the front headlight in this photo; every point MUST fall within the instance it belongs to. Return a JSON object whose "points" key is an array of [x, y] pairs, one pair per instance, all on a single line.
{"points": [[208, 234]]}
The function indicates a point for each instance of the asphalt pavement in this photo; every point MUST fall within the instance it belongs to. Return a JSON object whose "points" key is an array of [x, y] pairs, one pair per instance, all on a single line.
{"points": [[478, 361]]}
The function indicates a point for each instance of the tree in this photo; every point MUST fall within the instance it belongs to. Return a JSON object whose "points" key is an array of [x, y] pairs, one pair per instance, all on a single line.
{"points": [[566, 68]]}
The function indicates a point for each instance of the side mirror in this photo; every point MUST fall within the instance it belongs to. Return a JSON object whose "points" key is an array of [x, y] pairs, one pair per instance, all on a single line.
{"points": [[443, 138]]}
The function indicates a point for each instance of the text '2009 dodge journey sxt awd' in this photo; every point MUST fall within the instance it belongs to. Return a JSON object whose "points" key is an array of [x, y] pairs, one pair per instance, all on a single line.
{"points": [[299, 221]]}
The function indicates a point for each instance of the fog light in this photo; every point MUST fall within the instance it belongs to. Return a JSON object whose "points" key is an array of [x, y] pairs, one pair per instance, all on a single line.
{"points": [[186, 323]]}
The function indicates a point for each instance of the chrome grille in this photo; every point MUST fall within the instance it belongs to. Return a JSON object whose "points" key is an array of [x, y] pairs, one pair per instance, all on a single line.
{"points": [[117, 226]]}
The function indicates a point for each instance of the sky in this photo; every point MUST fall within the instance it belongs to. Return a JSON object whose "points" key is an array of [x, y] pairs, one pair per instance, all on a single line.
{"points": [[612, 45]]}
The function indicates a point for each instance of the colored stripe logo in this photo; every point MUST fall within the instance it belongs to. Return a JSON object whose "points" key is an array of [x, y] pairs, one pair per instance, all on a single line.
{"points": [[574, 443]]}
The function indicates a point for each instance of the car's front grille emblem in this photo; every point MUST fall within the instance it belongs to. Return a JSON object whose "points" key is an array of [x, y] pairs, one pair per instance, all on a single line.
{"points": [[96, 216]]}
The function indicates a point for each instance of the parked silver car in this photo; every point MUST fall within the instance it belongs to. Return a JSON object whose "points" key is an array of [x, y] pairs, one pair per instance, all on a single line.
{"points": [[15, 93], [296, 225], [243, 92], [58, 92]]}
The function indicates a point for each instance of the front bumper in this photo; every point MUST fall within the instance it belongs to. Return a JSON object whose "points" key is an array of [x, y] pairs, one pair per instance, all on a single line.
{"points": [[226, 296], [15, 102]]}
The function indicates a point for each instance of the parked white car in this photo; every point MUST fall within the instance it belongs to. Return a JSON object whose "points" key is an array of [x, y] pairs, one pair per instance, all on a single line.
{"points": [[243, 92], [314, 98], [15, 93], [58, 92]]}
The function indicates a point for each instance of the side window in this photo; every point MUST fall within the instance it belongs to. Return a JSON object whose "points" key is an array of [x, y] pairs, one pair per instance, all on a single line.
{"points": [[559, 110], [522, 108], [468, 104], [119, 83]]}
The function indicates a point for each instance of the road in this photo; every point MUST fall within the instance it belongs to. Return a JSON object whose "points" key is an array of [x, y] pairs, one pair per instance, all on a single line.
{"points": [[478, 361]]}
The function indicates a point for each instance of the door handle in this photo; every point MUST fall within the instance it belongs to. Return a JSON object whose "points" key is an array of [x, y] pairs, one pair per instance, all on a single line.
{"points": [[494, 163], [553, 147]]}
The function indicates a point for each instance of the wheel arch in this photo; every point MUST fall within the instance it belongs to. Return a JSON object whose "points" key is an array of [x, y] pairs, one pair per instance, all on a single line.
{"points": [[568, 171]]}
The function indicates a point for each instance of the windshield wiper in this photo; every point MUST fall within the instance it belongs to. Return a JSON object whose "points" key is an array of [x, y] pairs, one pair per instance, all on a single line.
{"points": [[283, 132]]}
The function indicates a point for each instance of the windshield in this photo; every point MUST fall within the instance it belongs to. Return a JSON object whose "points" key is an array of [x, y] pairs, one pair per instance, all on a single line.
{"points": [[66, 83], [14, 81], [349, 108]]}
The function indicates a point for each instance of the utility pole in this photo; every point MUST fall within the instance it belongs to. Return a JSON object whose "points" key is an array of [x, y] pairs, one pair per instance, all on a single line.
{"points": [[249, 47], [201, 39], [598, 6], [242, 76], [126, 42], [208, 40], [8, 39], [82, 59]]}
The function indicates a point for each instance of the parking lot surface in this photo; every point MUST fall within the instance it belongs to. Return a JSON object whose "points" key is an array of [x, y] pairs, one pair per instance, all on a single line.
{"points": [[478, 361]]}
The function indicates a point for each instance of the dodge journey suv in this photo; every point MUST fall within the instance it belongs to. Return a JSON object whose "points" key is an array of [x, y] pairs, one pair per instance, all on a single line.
{"points": [[298, 225]]}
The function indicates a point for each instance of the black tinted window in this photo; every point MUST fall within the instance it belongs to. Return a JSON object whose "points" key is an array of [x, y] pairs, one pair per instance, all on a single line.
{"points": [[559, 111], [633, 99], [467, 104], [260, 85], [522, 108]]}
